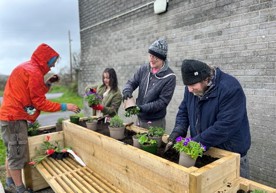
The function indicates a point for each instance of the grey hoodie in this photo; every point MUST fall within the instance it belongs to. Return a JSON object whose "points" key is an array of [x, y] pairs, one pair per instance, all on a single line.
{"points": [[155, 91]]}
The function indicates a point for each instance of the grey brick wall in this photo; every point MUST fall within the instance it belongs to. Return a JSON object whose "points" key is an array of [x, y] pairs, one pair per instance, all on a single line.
{"points": [[236, 35]]}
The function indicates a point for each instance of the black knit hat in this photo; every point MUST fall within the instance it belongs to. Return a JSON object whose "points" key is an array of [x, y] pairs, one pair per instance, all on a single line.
{"points": [[159, 48], [194, 71]]}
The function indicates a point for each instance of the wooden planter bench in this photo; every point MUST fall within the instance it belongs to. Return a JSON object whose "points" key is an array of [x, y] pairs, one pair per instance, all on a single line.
{"points": [[245, 185], [125, 168]]}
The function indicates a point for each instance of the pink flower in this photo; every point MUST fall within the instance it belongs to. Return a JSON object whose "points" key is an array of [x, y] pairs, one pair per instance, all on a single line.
{"points": [[32, 163], [48, 138]]}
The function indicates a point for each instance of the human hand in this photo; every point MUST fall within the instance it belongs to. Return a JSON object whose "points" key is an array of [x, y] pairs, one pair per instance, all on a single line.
{"points": [[52, 79], [171, 141], [73, 107], [98, 107], [127, 95]]}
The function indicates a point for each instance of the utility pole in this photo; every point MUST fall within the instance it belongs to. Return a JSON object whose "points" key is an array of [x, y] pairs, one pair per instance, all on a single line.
{"points": [[71, 69]]}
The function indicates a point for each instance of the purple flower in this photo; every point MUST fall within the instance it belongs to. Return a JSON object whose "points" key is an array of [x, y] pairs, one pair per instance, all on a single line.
{"points": [[178, 139]]}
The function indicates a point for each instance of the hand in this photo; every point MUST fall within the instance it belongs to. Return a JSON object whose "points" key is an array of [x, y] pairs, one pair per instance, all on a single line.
{"points": [[52, 79], [98, 107], [73, 107], [171, 141], [127, 95]]}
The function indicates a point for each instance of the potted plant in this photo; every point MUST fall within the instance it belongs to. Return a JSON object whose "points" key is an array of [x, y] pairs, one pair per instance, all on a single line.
{"points": [[75, 119], [92, 97], [116, 127], [33, 128], [59, 124], [189, 151], [147, 144], [252, 191], [156, 133], [135, 139], [91, 123]]}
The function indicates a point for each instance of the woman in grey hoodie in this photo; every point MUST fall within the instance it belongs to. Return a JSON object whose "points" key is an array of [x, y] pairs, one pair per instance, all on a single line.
{"points": [[156, 82]]}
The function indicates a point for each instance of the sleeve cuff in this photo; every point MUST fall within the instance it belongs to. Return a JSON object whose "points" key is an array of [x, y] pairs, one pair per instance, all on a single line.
{"points": [[63, 107]]}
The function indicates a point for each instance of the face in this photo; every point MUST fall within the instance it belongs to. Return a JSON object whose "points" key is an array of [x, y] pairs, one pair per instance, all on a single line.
{"points": [[155, 62], [199, 88], [106, 78]]}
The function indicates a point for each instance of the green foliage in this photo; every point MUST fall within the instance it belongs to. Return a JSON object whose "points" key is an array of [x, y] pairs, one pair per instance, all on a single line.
{"points": [[156, 131], [145, 140], [69, 96], [258, 191], [116, 121], [2, 152], [92, 119], [33, 128], [132, 111], [190, 147], [59, 120]]}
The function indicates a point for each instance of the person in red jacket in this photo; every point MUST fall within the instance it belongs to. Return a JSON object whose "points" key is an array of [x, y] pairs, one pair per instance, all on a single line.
{"points": [[24, 98]]}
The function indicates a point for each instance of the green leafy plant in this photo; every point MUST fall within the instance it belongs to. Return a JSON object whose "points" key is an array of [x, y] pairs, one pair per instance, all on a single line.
{"points": [[33, 128], [258, 191], [116, 121], [190, 147], [92, 119], [145, 140], [156, 131], [59, 120], [135, 110], [92, 97]]}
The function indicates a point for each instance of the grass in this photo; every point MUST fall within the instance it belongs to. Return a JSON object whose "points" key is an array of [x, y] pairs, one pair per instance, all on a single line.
{"points": [[70, 95], [2, 152]]}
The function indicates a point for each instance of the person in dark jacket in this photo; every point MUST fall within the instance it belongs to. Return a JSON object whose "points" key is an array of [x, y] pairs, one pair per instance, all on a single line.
{"points": [[156, 82], [214, 110]]}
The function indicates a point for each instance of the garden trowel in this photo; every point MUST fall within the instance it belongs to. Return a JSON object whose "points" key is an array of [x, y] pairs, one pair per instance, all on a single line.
{"points": [[77, 158]]}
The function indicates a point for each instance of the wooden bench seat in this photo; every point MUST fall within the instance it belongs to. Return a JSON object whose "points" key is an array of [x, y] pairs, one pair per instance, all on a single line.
{"points": [[68, 176]]}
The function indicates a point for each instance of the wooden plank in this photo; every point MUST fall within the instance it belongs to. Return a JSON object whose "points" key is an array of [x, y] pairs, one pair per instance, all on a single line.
{"points": [[31, 177], [245, 185], [125, 166]]}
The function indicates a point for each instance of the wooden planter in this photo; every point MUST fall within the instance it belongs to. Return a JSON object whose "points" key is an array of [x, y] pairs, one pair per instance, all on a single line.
{"points": [[134, 170], [245, 185], [31, 177]]}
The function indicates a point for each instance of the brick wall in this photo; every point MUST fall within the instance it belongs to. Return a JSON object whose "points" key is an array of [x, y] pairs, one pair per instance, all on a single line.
{"points": [[236, 35]]}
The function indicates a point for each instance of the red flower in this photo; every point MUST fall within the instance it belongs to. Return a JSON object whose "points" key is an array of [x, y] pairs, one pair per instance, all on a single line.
{"points": [[50, 151], [32, 163], [48, 138]]}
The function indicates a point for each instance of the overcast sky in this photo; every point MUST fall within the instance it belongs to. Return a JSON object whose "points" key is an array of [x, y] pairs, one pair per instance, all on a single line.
{"points": [[24, 24]]}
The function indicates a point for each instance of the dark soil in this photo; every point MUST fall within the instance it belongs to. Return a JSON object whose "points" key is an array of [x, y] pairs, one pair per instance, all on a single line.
{"points": [[170, 155]]}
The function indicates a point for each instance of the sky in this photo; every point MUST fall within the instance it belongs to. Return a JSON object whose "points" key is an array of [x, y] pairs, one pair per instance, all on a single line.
{"points": [[25, 24]]}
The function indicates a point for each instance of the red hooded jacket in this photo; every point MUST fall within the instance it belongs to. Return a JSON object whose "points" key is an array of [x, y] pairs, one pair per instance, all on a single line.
{"points": [[26, 87]]}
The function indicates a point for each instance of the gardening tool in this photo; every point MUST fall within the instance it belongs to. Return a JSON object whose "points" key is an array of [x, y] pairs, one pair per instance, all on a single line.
{"points": [[77, 158], [169, 143]]}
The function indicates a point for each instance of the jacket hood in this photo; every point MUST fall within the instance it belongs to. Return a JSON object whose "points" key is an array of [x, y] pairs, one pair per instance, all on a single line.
{"points": [[42, 55]]}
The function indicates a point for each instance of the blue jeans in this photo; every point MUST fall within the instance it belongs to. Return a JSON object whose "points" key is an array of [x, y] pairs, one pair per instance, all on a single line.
{"points": [[244, 167]]}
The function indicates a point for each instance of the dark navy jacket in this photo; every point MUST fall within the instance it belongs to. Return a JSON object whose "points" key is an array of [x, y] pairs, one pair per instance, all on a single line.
{"points": [[219, 118]]}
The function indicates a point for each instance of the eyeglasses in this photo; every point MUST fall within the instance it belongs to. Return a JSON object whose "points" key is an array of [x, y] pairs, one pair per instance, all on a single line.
{"points": [[153, 57]]}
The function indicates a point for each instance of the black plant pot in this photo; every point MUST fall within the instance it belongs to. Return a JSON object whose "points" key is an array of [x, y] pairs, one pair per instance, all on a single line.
{"points": [[59, 155]]}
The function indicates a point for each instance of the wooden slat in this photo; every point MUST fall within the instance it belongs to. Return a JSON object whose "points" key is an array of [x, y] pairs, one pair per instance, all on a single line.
{"points": [[68, 176], [131, 169]]}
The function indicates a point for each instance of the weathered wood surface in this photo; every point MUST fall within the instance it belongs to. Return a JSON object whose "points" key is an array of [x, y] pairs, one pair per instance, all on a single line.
{"points": [[31, 177], [68, 176], [131, 169]]}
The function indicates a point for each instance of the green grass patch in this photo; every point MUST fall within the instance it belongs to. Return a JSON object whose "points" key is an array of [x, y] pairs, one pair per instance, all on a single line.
{"points": [[2, 152], [69, 97]]}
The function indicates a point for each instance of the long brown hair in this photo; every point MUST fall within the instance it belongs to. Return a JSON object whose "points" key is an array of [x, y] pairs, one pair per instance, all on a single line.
{"points": [[113, 78]]}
